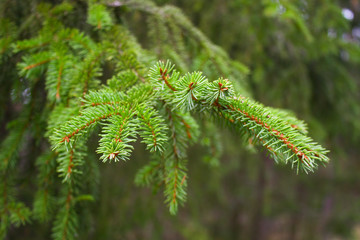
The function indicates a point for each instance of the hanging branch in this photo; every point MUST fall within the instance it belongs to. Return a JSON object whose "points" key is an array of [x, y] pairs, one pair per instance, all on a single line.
{"points": [[121, 113]]}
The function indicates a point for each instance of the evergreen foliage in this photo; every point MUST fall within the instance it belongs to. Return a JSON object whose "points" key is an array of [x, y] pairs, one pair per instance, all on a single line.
{"points": [[99, 81]]}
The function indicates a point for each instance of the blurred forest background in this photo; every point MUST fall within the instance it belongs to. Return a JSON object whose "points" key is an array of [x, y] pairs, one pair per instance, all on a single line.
{"points": [[303, 56]]}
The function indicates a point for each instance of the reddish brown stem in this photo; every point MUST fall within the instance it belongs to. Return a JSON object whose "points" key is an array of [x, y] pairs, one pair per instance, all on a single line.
{"points": [[277, 133], [59, 82], [37, 64], [67, 137], [165, 78], [152, 130]]}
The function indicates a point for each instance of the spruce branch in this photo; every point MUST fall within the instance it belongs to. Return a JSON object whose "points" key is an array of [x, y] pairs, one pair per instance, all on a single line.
{"points": [[66, 221], [69, 161], [34, 65], [186, 97], [153, 129], [44, 198], [19, 213], [59, 76], [102, 97], [175, 185], [281, 138], [7, 35], [99, 17], [175, 157], [89, 118], [117, 134]]}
